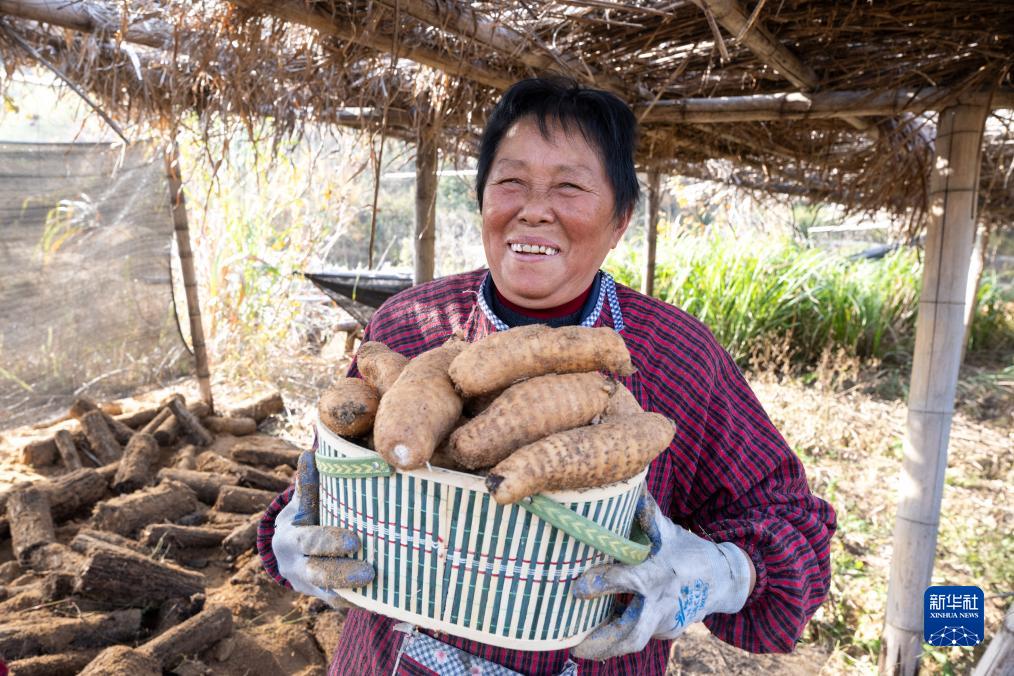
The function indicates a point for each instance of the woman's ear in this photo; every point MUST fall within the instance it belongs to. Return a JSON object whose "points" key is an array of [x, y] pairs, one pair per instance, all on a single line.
{"points": [[621, 227]]}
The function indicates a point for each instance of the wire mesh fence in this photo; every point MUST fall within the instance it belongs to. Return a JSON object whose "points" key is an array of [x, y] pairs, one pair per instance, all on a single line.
{"points": [[86, 301]]}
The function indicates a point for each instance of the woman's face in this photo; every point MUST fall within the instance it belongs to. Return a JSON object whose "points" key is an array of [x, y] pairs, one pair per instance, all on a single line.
{"points": [[547, 215]]}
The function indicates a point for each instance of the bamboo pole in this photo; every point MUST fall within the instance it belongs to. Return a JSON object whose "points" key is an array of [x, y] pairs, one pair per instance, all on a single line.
{"points": [[976, 266], [426, 181], [821, 105], [179, 210], [998, 660], [299, 12], [459, 19], [91, 18], [651, 232], [752, 34], [939, 332]]}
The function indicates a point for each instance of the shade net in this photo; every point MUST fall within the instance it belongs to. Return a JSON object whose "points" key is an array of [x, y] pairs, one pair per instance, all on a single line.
{"points": [[86, 295]]}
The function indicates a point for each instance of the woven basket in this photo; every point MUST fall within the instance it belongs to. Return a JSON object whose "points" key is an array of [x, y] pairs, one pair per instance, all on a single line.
{"points": [[449, 558]]}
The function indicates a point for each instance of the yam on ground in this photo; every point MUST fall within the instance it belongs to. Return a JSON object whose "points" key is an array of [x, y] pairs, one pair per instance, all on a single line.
{"points": [[348, 406], [243, 500], [527, 412], [127, 514], [259, 408], [238, 427], [205, 484], [272, 457], [60, 664], [379, 365], [419, 410], [506, 357], [137, 464], [68, 450], [121, 660], [242, 538], [100, 437], [31, 521], [23, 638], [124, 578], [595, 455]]}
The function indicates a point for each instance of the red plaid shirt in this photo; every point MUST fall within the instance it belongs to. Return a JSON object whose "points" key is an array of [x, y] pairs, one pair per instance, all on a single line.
{"points": [[728, 475]]}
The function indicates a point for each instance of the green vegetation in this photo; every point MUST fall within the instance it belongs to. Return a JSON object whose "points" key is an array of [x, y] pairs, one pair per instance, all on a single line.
{"points": [[751, 290]]}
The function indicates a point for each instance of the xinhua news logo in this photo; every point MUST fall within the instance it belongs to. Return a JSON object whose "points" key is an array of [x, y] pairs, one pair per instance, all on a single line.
{"points": [[954, 616]]}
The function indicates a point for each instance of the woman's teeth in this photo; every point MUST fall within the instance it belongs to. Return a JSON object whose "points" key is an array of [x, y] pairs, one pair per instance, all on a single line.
{"points": [[534, 248]]}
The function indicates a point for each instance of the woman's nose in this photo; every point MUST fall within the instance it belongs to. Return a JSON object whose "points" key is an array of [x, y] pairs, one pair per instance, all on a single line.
{"points": [[536, 209]]}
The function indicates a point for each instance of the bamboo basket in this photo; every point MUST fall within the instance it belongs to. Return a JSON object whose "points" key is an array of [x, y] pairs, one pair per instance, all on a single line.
{"points": [[450, 559]]}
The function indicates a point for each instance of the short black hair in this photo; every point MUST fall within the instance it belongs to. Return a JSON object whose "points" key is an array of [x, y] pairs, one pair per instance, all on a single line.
{"points": [[605, 121]]}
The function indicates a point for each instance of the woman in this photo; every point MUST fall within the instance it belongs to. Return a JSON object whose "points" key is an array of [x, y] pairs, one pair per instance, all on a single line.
{"points": [[557, 186]]}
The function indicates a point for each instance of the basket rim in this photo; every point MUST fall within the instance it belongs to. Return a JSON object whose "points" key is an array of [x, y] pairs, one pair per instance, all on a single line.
{"points": [[474, 482], [430, 624]]}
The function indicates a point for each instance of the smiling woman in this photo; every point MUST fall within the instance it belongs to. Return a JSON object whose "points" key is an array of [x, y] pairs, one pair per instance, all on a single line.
{"points": [[548, 219], [738, 541]]}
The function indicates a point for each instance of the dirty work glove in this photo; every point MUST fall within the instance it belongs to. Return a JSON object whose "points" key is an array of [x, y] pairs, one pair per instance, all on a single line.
{"points": [[684, 579], [314, 558]]}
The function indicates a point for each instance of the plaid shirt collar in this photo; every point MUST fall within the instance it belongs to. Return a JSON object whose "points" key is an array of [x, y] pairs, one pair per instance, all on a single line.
{"points": [[607, 305]]}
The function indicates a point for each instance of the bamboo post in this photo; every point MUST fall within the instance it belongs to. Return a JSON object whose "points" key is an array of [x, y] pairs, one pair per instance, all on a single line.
{"points": [[425, 202], [182, 228], [999, 656], [976, 266], [939, 333], [651, 232]]}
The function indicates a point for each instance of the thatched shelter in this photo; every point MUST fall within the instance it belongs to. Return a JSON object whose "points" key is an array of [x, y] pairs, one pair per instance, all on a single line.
{"points": [[835, 101]]}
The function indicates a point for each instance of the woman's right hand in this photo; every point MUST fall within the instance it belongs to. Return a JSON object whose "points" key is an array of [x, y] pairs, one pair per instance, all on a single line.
{"points": [[315, 559]]}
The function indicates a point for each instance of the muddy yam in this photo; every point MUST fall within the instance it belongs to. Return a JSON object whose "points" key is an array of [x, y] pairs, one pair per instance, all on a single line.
{"points": [[527, 412], [419, 410], [506, 357], [595, 455], [348, 407]]}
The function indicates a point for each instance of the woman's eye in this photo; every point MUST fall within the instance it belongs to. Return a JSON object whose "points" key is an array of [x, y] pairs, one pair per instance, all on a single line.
{"points": [[570, 185]]}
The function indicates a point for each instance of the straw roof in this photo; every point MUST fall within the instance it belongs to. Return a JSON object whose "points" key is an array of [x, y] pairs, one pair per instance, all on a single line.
{"points": [[824, 99]]}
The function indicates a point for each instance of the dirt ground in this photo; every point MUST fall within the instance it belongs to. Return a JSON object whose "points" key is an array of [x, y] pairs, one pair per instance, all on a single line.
{"points": [[849, 442]]}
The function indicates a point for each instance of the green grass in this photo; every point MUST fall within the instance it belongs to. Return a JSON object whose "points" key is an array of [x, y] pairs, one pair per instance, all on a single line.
{"points": [[751, 291]]}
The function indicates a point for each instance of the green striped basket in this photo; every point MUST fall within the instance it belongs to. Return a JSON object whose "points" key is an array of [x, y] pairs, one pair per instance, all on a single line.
{"points": [[449, 558]]}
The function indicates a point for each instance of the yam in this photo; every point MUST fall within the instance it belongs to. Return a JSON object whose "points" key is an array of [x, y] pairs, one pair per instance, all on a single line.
{"points": [[348, 407], [506, 357], [527, 412], [419, 410], [379, 365], [585, 457], [622, 403]]}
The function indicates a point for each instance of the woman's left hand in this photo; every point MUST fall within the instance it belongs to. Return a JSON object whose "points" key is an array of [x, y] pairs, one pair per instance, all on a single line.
{"points": [[685, 579]]}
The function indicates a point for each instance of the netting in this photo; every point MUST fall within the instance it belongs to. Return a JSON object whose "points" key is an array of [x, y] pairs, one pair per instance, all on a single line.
{"points": [[85, 283]]}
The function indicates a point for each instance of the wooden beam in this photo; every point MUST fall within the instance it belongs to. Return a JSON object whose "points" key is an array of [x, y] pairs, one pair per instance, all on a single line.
{"points": [[939, 332], [822, 105], [299, 12], [182, 228], [651, 232], [762, 43], [461, 20], [426, 182], [89, 17], [768, 50]]}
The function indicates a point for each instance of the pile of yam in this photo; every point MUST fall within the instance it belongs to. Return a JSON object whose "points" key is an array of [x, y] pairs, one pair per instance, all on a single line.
{"points": [[115, 547], [533, 409]]}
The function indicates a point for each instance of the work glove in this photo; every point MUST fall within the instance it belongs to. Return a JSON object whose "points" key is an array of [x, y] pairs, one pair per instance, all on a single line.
{"points": [[315, 559], [683, 580]]}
